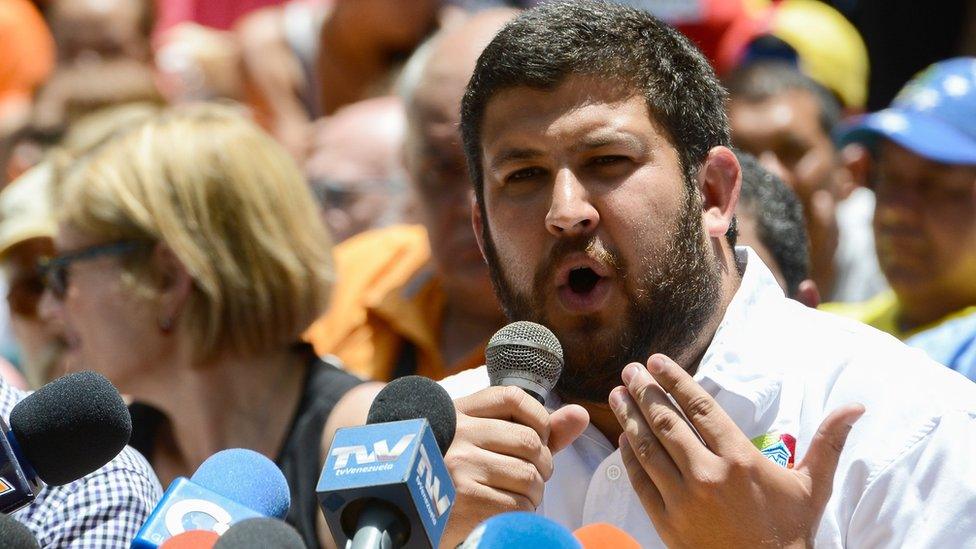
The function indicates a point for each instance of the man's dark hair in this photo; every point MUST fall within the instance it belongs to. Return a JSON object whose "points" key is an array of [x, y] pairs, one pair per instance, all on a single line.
{"points": [[547, 44], [763, 80], [779, 219]]}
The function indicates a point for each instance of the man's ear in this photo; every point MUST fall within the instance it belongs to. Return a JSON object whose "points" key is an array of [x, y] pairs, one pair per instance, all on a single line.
{"points": [[719, 179], [477, 222], [808, 294], [856, 167], [173, 285]]}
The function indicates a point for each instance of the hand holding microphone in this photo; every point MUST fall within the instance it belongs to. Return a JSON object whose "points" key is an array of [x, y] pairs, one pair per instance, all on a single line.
{"points": [[502, 452]]}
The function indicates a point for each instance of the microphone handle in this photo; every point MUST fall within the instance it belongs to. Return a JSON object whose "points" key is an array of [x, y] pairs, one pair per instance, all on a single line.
{"points": [[373, 529], [534, 390]]}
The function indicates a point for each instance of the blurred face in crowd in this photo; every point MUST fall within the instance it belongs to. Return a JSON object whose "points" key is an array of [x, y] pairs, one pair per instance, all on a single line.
{"points": [[354, 166], [106, 325], [785, 133], [436, 164], [925, 227], [592, 230], [98, 29], [40, 343]]}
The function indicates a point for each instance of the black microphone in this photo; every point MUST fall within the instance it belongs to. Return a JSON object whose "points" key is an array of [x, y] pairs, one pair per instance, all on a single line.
{"points": [[14, 535], [63, 431], [384, 484], [526, 355], [260, 533]]}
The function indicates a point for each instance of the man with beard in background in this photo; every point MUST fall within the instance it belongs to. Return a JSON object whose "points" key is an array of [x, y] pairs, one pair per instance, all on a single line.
{"points": [[605, 190]]}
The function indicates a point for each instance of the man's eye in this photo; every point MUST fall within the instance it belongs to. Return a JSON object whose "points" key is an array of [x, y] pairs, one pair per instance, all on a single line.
{"points": [[524, 174], [608, 160]]}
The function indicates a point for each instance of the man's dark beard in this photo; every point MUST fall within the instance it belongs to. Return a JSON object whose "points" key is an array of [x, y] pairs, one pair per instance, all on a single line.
{"points": [[670, 302]]}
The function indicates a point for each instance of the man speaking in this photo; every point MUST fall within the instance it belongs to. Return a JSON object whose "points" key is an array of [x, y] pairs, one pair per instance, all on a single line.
{"points": [[605, 192]]}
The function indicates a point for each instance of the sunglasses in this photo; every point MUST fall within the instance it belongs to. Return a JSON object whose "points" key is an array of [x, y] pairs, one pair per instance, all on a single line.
{"points": [[54, 270]]}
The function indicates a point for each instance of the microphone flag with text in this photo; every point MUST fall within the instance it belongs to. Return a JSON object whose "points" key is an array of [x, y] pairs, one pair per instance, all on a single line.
{"points": [[384, 484]]}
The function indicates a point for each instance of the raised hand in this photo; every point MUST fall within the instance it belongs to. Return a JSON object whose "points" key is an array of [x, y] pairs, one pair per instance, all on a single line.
{"points": [[723, 493]]}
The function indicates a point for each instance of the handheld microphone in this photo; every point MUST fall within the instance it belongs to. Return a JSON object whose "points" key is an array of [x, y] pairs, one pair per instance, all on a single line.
{"points": [[604, 536], [194, 539], [526, 355], [230, 486], [261, 533], [63, 431], [385, 484], [519, 529], [14, 535]]}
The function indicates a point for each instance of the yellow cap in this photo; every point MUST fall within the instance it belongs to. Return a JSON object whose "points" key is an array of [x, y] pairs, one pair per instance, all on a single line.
{"points": [[829, 48]]}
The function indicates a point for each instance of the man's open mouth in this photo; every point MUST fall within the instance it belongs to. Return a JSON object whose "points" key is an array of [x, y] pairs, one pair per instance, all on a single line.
{"points": [[582, 280], [583, 284]]}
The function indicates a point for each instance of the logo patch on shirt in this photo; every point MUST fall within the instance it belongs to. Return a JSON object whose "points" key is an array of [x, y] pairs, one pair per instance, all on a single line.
{"points": [[779, 448]]}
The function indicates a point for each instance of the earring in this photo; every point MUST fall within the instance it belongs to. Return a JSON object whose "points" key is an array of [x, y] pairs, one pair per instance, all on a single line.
{"points": [[166, 324]]}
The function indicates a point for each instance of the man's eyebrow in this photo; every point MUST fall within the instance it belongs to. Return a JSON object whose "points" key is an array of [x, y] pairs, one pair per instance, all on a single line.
{"points": [[512, 155], [591, 142]]}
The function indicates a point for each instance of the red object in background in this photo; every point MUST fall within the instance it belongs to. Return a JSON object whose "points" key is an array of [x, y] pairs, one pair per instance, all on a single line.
{"points": [[194, 539], [217, 14], [26, 49]]}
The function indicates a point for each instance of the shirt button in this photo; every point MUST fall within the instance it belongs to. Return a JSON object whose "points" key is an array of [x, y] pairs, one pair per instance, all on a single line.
{"points": [[613, 472]]}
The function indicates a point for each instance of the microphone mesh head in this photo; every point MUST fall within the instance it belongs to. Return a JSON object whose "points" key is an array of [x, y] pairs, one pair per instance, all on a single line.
{"points": [[525, 347]]}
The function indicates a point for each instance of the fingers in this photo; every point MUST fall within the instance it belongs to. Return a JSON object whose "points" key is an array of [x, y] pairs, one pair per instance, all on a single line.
{"points": [[716, 428], [508, 404], [667, 424], [821, 458], [507, 439], [566, 425], [648, 493], [649, 452], [499, 473]]}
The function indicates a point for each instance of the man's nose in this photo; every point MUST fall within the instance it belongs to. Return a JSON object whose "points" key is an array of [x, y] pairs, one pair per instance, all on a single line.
{"points": [[571, 213]]}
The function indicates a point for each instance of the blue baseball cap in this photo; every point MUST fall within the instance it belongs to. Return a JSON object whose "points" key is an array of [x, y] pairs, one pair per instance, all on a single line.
{"points": [[934, 115]]}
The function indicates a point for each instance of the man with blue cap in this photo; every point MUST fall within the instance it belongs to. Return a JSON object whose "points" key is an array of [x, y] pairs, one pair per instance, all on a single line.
{"points": [[925, 220]]}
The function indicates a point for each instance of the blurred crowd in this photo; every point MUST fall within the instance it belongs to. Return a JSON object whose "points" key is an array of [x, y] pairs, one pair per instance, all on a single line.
{"points": [[226, 205]]}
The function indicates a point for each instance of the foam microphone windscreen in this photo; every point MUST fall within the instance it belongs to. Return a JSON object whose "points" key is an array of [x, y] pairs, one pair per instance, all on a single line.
{"points": [[248, 478], [260, 533], [416, 397], [71, 426], [14, 535], [601, 535], [516, 529], [194, 539]]}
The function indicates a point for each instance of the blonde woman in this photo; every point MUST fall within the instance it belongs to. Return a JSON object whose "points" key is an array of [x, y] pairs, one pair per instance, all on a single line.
{"points": [[190, 258]]}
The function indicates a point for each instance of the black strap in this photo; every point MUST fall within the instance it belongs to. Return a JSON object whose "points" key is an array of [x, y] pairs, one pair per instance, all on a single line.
{"points": [[406, 364]]}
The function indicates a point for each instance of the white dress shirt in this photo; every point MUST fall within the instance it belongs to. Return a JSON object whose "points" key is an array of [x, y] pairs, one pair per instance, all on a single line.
{"points": [[907, 476]]}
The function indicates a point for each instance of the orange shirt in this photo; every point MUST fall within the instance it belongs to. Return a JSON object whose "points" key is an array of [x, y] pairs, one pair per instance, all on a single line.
{"points": [[386, 295]]}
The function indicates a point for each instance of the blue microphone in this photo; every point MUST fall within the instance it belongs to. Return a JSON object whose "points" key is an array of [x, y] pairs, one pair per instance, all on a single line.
{"points": [[229, 487], [516, 530], [385, 484]]}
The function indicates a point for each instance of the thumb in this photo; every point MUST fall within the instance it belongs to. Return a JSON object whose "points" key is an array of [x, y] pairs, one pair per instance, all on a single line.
{"points": [[566, 425], [821, 460]]}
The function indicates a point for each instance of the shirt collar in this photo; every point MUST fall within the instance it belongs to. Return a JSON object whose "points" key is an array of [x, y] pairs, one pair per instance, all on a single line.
{"points": [[734, 368]]}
